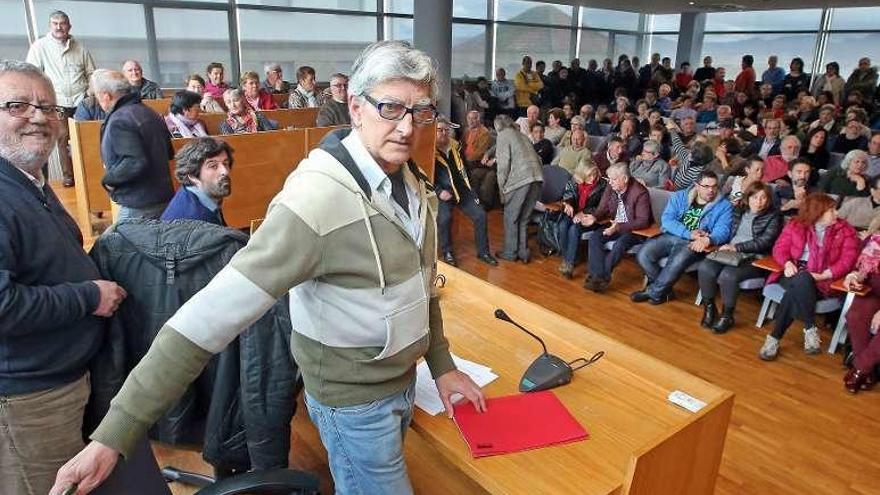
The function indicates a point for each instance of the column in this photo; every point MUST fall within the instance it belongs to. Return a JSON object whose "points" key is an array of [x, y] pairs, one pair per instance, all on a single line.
{"points": [[432, 33], [690, 39]]}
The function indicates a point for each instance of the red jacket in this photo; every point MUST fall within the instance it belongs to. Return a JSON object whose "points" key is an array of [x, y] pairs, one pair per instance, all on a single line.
{"points": [[266, 101], [839, 251]]}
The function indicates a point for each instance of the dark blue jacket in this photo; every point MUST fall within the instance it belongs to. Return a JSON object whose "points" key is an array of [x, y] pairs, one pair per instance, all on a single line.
{"points": [[136, 148], [186, 205], [89, 109], [47, 330]]}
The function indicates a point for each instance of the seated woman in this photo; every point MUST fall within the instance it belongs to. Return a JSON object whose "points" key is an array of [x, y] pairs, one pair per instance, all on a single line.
{"points": [[257, 97], [816, 152], [849, 179], [196, 84], [861, 211], [863, 318], [183, 118], [554, 131], [241, 118], [649, 168], [756, 225], [581, 197], [736, 185], [814, 249]]}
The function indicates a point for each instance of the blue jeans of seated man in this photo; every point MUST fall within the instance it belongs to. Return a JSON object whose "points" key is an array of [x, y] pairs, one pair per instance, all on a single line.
{"points": [[472, 210], [602, 263], [569, 237], [661, 280], [365, 443]]}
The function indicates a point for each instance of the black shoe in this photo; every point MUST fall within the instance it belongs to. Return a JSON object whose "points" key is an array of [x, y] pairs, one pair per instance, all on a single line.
{"points": [[665, 298], [600, 284], [725, 322], [499, 254], [449, 258], [639, 296], [488, 259], [710, 312]]}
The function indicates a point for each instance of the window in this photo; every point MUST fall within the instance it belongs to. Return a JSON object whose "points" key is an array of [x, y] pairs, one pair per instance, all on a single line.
{"points": [[664, 44], [472, 9], [188, 41], [112, 32], [327, 42], [13, 30], [624, 44], [468, 50], [666, 23], [399, 6], [727, 50], [594, 45], [610, 19], [546, 14], [767, 20], [856, 18], [847, 49], [513, 42], [399, 28], [364, 5]]}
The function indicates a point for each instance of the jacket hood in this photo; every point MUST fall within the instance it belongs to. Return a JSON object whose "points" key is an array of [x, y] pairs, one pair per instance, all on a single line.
{"points": [[692, 196]]}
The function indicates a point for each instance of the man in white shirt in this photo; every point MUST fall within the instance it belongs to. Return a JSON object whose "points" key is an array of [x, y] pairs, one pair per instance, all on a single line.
{"points": [[68, 64], [503, 90]]}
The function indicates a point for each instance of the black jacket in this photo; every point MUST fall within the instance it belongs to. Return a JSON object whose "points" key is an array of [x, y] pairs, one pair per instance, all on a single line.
{"points": [[240, 408], [47, 331], [570, 196], [136, 148], [765, 229], [754, 147]]}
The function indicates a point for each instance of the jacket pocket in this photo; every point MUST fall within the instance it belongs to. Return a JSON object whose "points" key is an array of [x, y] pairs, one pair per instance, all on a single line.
{"points": [[404, 326]]}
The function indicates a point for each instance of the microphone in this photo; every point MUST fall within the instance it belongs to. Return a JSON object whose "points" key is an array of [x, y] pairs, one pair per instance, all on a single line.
{"points": [[547, 371], [501, 315]]}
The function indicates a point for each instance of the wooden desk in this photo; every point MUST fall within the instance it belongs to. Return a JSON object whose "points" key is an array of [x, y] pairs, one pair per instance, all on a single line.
{"points": [[768, 263], [648, 232], [639, 442]]}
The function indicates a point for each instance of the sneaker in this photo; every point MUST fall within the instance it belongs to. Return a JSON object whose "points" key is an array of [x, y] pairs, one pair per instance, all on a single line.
{"points": [[812, 342], [566, 269], [770, 349]]}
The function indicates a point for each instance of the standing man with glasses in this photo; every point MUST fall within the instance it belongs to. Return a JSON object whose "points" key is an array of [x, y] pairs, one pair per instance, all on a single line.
{"points": [[352, 237], [334, 111], [694, 219], [68, 64], [52, 300]]}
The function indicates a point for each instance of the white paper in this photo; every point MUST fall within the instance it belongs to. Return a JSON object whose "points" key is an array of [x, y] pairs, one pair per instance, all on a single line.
{"points": [[427, 396]]}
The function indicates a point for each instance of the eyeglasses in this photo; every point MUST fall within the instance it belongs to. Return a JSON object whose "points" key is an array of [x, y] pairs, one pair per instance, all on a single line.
{"points": [[708, 186], [339, 85], [391, 110], [24, 110]]}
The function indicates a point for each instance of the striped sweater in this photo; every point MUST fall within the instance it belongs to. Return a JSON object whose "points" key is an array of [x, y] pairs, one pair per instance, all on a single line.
{"points": [[360, 289]]}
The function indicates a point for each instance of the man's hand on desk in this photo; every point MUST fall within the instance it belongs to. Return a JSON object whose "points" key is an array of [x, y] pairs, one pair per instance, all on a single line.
{"points": [[455, 381]]}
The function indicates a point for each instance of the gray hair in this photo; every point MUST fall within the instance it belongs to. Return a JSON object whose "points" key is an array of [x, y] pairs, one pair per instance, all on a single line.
{"points": [[59, 14], [25, 69], [386, 61], [791, 137], [271, 67], [503, 121], [338, 75], [190, 158], [651, 146], [109, 81], [233, 92], [852, 155], [618, 168]]}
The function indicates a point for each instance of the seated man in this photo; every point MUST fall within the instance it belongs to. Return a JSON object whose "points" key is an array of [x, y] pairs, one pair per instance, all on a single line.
{"points": [[305, 95], [694, 219], [275, 82], [776, 166], [612, 154], [203, 168], [478, 142], [334, 111], [453, 189], [649, 169], [140, 84], [788, 197], [543, 147], [627, 205], [569, 157]]}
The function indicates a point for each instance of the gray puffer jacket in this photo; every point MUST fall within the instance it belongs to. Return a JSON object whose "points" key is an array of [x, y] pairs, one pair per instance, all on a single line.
{"points": [[517, 162]]}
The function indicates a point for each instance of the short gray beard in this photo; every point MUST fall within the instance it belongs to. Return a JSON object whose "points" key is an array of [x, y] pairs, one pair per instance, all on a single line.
{"points": [[22, 157]]}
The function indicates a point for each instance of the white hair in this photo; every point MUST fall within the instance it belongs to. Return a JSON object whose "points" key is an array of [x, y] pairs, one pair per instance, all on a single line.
{"points": [[109, 81], [272, 66], [852, 155], [651, 146], [618, 168], [25, 69], [386, 61]]}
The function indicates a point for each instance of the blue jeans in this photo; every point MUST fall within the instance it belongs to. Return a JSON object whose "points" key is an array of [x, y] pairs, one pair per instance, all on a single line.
{"points": [[602, 263], [661, 279], [365, 443], [569, 238]]}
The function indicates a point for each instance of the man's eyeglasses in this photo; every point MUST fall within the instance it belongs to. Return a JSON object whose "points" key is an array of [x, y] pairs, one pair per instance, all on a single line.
{"points": [[24, 110], [708, 186], [390, 110]]}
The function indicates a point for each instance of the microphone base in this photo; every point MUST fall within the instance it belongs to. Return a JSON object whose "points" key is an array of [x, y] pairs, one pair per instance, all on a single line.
{"points": [[546, 372]]}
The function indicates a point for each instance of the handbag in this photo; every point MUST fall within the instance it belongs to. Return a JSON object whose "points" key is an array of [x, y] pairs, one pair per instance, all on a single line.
{"points": [[729, 258]]}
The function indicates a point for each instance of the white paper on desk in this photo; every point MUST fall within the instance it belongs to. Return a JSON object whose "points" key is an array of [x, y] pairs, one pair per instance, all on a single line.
{"points": [[427, 396]]}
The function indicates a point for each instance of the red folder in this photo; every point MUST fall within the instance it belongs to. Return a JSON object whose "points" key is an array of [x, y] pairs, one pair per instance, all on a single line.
{"points": [[517, 422]]}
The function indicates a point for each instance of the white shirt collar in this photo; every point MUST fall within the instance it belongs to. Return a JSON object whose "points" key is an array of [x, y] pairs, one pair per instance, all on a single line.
{"points": [[38, 181]]}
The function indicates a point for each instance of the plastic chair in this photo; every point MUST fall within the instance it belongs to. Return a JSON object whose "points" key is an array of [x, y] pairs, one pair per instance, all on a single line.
{"points": [[773, 295]]}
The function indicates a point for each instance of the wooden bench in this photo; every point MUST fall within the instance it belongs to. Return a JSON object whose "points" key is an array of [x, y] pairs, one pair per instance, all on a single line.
{"points": [[297, 118], [160, 106]]}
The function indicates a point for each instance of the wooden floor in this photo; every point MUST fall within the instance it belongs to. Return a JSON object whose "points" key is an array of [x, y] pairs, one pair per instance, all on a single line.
{"points": [[794, 428]]}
